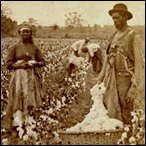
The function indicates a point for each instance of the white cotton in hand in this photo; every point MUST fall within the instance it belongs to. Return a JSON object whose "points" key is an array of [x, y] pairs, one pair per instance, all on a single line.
{"points": [[19, 62], [31, 62]]}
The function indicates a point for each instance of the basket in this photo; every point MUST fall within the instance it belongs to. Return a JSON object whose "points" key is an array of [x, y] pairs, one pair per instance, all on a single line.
{"points": [[92, 138]]}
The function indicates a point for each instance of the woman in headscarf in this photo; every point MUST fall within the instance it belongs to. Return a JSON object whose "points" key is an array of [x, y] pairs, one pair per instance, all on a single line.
{"points": [[23, 60]]}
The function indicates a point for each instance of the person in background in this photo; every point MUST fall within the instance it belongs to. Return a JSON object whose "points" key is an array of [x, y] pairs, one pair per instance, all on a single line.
{"points": [[23, 61], [94, 67], [95, 64], [78, 48], [123, 70]]}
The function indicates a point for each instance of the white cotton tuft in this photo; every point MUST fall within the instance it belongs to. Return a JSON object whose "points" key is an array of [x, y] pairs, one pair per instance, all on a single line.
{"points": [[97, 119], [20, 132], [18, 118], [77, 61]]}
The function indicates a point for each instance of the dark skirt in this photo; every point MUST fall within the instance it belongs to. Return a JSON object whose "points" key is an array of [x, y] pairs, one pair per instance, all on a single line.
{"points": [[24, 91]]}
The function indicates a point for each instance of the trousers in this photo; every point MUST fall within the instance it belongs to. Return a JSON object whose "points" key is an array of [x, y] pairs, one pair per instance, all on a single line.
{"points": [[123, 85]]}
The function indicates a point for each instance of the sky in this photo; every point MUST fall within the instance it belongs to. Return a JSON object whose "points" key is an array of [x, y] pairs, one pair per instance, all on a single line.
{"points": [[53, 12]]}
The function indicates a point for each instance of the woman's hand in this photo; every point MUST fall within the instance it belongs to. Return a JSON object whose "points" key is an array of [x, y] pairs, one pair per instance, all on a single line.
{"points": [[19, 62], [32, 63], [24, 65], [20, 65]]}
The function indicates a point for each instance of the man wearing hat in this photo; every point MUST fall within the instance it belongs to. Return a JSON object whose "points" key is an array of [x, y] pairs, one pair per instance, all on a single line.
{"points": [[123, 70]]}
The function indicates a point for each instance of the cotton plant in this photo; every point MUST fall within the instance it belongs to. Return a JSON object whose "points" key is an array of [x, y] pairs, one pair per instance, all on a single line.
{"points": [[97, 119], [135, 131], [5, 141], [77, 61], [56, 137], [138, 127], [18, 118], [18, 121], [30, 124], [3, 113]]}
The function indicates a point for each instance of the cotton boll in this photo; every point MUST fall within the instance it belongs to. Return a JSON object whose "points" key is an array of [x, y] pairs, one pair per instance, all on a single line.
{"points": [[20, 132], [63, 100], [5, 141], [126, 129], [132, 140], [25, 137], [30, 120], [18, 119], [17, 122]]}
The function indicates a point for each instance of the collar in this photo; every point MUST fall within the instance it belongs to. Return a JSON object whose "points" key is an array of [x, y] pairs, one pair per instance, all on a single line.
{"points": [[124, 29]]}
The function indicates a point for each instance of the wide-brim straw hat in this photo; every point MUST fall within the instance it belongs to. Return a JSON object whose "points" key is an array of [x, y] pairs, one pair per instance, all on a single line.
{"points": [[120, 7]]}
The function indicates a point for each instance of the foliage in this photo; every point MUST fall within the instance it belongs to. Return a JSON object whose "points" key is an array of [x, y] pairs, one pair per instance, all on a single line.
{"points": [[55, 27], [134, 134], [73, 19], [65, 102], [5, 11], [7, 24], [60, 94]]}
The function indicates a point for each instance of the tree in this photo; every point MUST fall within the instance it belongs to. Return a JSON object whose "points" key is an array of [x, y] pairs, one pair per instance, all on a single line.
{"points": [[55, 27], [73, 19], [32, 21], [5, 11], [7, 24]]}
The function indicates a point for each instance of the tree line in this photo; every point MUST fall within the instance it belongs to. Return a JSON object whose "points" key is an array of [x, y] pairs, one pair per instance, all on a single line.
{"points": [[74, 27]]}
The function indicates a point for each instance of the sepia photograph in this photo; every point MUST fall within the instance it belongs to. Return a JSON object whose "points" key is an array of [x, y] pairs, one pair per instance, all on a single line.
{"points": [[72, 72]]}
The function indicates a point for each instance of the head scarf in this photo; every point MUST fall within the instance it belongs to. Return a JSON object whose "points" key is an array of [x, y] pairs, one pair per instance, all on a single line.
{"points": [[24, 26]]}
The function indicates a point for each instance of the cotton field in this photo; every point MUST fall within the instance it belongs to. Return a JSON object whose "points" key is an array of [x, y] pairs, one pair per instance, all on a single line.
{"points": [[65, 102]]}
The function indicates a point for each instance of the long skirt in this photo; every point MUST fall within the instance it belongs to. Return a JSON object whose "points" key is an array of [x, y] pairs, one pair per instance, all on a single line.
{"points": [[24, 91]]}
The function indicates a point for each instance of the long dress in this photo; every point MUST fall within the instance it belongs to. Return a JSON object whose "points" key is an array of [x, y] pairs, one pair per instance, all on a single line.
{"points": [[25, 84]]}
